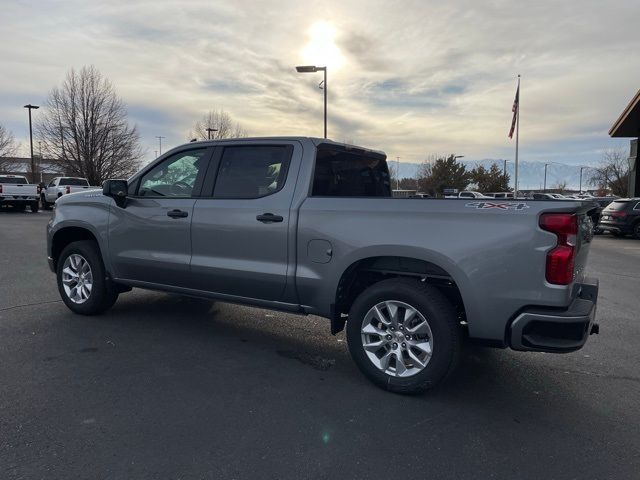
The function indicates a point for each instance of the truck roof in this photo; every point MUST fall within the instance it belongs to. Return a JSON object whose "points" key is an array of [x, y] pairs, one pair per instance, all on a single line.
{"points": [[317, 141]]}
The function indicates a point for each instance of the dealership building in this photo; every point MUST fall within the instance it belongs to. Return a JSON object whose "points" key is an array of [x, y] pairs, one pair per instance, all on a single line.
{"points": [[628, 126]]}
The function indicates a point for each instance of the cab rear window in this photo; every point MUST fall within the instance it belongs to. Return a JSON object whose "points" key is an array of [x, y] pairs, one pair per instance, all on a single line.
{"points": [[344, 173], [13, 180]]}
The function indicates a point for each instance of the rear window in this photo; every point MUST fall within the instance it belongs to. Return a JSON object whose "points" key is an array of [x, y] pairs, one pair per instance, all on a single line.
{"points": [[340, 173], [74, 182], [13, 180], [616, 206]]}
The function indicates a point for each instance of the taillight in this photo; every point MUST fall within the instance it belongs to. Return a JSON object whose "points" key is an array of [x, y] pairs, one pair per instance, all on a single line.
{"points": [[0, 188], [68, 189], [38, 190], [561, 259], [618, 214]]}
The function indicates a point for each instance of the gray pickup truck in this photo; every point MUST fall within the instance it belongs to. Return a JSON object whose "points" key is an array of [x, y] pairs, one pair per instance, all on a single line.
{"points": [[309, 226]]}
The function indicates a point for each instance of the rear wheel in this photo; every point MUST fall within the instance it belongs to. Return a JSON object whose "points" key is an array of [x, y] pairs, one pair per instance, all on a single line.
{"points": [[82, 281], [636, 231], [35, 206], [403, 335], [617, 234]]}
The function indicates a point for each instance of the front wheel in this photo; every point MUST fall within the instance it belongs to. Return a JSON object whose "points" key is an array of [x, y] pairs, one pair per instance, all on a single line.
{"points": [[82, 281], [403, 335]]}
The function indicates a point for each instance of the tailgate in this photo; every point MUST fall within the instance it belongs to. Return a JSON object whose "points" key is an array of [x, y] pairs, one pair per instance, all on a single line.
{"points": [[19, 190], [586, 220]]}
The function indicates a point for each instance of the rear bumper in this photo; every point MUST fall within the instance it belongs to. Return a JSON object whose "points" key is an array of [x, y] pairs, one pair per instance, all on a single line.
{"points": [[558, 331], [615, 227]]}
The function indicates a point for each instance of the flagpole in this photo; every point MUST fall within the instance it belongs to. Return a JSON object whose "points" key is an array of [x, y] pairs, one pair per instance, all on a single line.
{"points": [[515, 193]]}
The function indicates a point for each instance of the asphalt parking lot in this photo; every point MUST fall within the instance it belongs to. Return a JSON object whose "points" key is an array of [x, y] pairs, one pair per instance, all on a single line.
{"points": [[159, 388]]}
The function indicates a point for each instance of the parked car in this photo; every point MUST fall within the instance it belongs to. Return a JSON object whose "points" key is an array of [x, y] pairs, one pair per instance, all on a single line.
{"points": [[499, 194], [308, 226], [622, 217], [471, 194], [17, 192], [544, 196], [602, 203], [60, 186]]}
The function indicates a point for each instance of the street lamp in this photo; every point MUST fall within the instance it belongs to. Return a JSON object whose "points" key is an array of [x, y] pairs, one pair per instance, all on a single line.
{"points": [[504, 172], [313, 69], [33, 166], [545, 177], [581, 169], [209, 130], [160, 137]]}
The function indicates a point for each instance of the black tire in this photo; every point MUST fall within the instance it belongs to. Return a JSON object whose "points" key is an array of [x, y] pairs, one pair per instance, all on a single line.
{"points": [[45, 205], [103, 294], [617, 234], [35, 206], [636, 231], [441, 318]]}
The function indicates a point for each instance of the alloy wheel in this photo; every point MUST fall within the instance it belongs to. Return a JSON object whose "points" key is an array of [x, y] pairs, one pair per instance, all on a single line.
{"points": [[397, 338], [77, 278]]}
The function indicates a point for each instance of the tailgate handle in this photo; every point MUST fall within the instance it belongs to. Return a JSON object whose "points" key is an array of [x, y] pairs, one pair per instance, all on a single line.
{"points": [[269, 218]]}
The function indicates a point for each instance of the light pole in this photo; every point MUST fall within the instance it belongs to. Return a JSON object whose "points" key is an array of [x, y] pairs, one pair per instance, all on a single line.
{"points": [[209, 130], [33, 166], [504, 172], [313, 69], [160, 137], [545, 177], [581, 169]]}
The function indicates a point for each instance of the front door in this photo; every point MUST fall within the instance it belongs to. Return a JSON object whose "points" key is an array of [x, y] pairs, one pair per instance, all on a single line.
{"points": [[150, 238]]}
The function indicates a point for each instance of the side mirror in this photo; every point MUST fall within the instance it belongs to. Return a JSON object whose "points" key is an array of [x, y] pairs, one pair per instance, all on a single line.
{"points": [[116, 189]]}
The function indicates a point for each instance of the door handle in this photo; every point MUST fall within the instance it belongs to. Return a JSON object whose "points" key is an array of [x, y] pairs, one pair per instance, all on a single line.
{"points": [[177, 214], [269, 218]]}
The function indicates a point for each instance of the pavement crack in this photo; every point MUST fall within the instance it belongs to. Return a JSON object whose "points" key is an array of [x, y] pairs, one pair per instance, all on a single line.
{"points": [[35, 304]]}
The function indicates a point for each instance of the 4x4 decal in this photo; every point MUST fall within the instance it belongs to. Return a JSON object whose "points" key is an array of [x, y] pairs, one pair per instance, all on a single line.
{"points": [[498, 205]]}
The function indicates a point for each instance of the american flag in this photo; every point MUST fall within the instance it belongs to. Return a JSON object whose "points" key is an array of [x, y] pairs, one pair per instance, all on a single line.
{"points": [[514, 109]]}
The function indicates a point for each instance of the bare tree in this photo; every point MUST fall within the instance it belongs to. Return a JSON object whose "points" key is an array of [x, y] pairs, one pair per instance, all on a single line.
{"points": [[613, 173], [560, 187], [7, 149], [222, 126], [84, 128]]}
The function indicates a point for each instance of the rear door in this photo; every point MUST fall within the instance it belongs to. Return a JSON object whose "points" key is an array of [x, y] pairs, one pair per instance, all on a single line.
{"points": [[150, 239], [240, 229]]}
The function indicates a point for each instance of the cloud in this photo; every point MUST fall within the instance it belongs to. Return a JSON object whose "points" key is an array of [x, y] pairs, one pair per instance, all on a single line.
{"points": [[416, 76]]}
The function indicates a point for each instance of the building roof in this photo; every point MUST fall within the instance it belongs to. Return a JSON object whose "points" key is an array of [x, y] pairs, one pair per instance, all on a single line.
{"points": [[23, 164], [628, 123]]}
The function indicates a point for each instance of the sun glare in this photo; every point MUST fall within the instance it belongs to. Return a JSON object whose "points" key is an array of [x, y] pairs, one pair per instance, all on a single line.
{"points": [[321, 48]]}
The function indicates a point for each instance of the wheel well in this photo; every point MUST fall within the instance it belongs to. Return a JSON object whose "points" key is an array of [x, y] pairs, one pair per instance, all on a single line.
{"points": [[364, 273], [64, 237]]}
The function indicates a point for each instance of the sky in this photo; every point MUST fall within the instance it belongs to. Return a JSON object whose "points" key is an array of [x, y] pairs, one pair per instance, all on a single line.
{"points": [[412, 78]]}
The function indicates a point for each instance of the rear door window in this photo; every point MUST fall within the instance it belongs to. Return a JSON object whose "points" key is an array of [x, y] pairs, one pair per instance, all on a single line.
{"points": [[248, 171]]}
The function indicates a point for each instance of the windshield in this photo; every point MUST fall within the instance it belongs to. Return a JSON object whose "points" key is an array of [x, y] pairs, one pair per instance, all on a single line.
{"points": [[616, 206], [13, 180], [74, 182]]}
